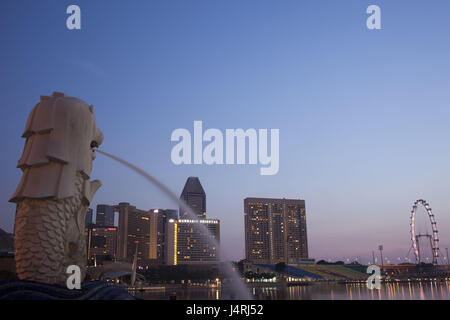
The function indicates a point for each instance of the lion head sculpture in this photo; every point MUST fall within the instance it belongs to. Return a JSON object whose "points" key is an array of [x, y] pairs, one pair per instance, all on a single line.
{"points": [[54, 192]]}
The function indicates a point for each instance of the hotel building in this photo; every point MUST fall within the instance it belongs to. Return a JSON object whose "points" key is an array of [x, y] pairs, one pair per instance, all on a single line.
{"points": [[159, 226], [188, 239], [133, 234], [188, 242], [275, 230], [101, 244]]}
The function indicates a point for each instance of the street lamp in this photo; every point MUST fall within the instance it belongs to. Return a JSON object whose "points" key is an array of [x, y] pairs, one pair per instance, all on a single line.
{"points": [[380, 247]]}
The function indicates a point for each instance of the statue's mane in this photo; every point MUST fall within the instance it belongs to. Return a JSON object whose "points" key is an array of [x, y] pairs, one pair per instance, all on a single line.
{"points": [[58, 134]]}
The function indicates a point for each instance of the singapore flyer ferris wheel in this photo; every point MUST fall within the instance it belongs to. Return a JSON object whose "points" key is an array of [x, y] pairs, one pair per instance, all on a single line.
{"points": [[434, 239]]}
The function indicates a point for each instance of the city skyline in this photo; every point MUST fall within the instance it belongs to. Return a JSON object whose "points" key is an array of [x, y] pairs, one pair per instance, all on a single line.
{"points": [[363, 115], [193, 186], [156, 236]]}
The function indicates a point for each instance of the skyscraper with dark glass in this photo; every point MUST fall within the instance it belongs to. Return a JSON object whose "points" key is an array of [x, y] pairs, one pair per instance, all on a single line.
{"points": [[105, 216], [275, 230], [89, 216], [194, 195]]}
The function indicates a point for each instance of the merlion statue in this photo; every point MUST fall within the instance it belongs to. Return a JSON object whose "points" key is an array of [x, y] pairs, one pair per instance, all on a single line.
{"points": [[55, 191]]}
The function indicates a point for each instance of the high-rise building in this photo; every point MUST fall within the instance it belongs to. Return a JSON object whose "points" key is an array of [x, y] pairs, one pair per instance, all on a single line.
{"points": [[105, 216], [189, 243], [133, 234], [194, 195], [101, 244], [89, 218], [145, 231], [188, 240], [275, 230], [159, 219]]}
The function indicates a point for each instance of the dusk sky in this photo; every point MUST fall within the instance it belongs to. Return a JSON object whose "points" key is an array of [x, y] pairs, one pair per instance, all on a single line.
{"points": [[364, 115]]}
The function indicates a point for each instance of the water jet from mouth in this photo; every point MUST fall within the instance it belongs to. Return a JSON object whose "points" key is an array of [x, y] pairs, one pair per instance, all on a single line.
{"points": [[238, 287]]}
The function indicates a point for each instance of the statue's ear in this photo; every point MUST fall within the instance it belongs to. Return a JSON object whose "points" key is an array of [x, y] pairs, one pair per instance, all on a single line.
{"points": [[91, 108]]}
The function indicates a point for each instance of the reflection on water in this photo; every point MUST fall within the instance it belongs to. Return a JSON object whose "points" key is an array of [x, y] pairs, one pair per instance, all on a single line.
{"points": [[429, 290], [389, 291], [185, 294]]}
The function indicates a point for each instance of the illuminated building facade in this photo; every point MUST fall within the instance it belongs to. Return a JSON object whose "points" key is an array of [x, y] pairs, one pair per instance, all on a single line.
{"points": [[159, 220], [101, 244], [133, 234], [275, 230], [188, 242], [161, 236]]}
